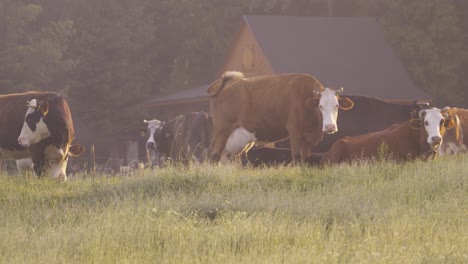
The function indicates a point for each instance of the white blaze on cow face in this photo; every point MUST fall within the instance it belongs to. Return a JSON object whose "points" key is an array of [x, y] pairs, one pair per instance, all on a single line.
{"points": [[329, 106], [153, 126], [432, 121], [238, 139], [34, 128]]}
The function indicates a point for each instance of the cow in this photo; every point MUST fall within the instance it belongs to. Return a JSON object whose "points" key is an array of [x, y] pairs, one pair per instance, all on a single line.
{"points": [[369, 114], [419, 137], [454, 139], [271, 107], [44, 133], [153, 126], [184, 138]]}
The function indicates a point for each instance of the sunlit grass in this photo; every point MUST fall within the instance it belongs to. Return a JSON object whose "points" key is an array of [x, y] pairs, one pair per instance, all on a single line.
{"points": [[372, 213]]}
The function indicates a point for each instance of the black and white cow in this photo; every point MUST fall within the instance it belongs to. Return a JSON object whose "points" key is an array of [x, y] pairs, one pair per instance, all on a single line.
{"points": [[44, 134], [183, 138], [153, 127]]}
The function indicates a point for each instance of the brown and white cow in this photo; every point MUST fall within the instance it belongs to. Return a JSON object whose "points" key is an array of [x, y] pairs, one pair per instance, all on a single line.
{"points": [[454, 140], [183, 138], [44, 134], [369, 114], [269, 108], [405, 141]]}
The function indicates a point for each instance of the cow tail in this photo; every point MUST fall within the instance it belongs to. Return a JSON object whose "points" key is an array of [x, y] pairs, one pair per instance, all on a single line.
{"points": [[227, 76]]}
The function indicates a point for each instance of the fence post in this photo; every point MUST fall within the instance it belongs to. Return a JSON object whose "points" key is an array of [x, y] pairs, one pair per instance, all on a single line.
{"points": [[93, 160]]}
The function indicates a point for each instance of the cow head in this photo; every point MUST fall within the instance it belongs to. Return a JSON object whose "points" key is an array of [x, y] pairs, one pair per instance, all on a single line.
{"points": [[329, 102], [435, 123], [154, 126], [34, 128]]}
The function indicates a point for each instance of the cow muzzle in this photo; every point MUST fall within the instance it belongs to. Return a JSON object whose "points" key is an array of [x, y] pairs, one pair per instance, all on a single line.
{"points": [[435, 142], [151, 145], [330, 129], [23, 142]]}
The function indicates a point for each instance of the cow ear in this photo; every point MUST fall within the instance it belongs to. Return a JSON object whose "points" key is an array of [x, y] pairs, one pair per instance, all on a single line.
{"points": [[449, 123], [311, 103], [415, 123], [44, 108], [76, 150], [345, 103], [143, 132]]}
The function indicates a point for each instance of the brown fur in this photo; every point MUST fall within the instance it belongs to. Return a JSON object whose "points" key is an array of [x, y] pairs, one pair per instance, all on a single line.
{"points": [[271, 106], [404, 142], [58, 119]]}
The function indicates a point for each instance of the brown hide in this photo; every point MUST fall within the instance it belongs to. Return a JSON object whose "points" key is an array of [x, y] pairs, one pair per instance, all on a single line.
{"points": [[453, 140], [58, 120], [271, 106], [403, 142], [463, 116]]}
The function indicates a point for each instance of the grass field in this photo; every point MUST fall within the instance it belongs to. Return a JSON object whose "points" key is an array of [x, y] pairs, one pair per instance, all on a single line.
{"points": [[369, 213]]}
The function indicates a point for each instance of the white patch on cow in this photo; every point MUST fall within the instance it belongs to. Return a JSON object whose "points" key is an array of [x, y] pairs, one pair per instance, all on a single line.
{"points": [[27, 136], [56, 162], [432, 123], [329, 106], [233, 74], [153, 125], [450, 148], [24, 165], [238, 139]]}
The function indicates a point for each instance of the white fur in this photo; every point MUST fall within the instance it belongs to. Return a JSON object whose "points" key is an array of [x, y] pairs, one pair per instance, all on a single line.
{"points": [[329, 106], [153, 125], [233, 74], [24, 165], [57, 162], [431, 123], [238, 139], [27, 136]]}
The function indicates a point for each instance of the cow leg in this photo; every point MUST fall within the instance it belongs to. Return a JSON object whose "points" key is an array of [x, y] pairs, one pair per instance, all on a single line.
{"points": [[296, 148], [306, 149], [218, 144]]}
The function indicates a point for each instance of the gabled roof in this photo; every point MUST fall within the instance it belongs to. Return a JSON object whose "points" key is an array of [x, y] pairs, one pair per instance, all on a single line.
{"points": [[351, 52], [339, 51]]}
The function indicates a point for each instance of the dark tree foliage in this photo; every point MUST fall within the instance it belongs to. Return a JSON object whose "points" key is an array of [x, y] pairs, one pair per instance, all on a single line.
{"points": [[106, 56]]}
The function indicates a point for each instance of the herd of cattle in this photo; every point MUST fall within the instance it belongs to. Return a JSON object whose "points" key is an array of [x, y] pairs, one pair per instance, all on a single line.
{"points": [[270, 119], [280, 119]]}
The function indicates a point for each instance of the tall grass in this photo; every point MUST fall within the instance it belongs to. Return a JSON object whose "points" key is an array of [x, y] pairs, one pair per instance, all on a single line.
{"points": [[369, 213]]}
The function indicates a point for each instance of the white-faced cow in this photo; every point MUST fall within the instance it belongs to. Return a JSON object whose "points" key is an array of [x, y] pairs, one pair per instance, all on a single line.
{"points": [[44, 134], [369, 114], [454, 140], [183, 138], [272, 107], [405, 141], [153, 126]]}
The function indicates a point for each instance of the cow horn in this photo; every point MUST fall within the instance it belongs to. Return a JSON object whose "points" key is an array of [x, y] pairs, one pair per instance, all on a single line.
{"points": [[145, 121], [32, 103], [339, 91]]}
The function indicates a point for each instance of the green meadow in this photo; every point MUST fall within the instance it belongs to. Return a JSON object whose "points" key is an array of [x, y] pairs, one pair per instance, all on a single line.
{"points": [[362, 213]]}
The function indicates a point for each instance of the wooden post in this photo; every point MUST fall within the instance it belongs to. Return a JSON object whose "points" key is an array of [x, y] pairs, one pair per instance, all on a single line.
{"points": [[93, 160]]}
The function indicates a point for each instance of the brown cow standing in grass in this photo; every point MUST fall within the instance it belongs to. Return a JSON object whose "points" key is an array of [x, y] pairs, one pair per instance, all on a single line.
{"points": [[269, 108], [405, 141]]}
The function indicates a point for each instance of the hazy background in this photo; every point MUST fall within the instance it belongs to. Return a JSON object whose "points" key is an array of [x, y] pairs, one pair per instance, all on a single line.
{"points": [[106, 56]]}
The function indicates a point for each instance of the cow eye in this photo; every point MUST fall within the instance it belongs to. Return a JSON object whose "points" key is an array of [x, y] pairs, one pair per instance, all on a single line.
{"points": [[337, 106], [441, 122], [426, 123]]}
